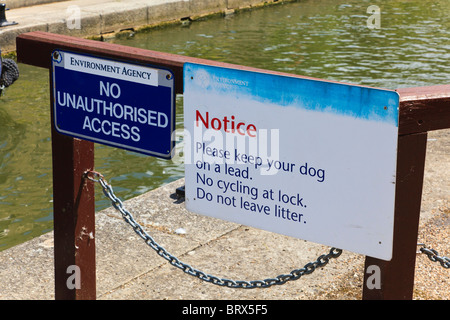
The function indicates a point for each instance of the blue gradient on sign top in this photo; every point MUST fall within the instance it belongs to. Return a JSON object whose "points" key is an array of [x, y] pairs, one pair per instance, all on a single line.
{"points": [[349, 100]]}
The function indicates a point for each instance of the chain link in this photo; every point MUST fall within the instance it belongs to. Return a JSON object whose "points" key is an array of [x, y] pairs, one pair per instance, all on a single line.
{"points": [[434, 256], [278, 280]]}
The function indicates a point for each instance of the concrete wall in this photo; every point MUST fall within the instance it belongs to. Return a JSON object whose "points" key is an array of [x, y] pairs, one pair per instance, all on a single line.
{"points": [[13, 4], [97, 17]]}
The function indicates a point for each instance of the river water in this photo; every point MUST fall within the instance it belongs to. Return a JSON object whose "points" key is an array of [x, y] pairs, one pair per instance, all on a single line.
{"points": [[406, 45]]}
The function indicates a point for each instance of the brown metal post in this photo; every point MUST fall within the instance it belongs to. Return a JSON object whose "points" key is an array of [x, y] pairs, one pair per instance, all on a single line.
{"points": [[397, 275], [73, 215]]}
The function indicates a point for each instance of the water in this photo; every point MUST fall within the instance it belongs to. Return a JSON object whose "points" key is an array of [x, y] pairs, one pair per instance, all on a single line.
{"points": [[324, 39]]}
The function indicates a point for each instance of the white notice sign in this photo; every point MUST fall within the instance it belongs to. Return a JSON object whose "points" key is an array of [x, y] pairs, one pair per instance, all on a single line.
{"points": [[309, 159]]}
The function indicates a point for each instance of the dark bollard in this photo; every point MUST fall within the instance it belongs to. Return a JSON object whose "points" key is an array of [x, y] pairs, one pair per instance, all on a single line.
{"points": [[3, 21]]}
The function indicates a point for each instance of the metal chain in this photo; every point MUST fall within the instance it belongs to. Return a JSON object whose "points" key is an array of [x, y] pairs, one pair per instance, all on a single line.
{"points": [[434, 256], [278, 280], [9, 72]]}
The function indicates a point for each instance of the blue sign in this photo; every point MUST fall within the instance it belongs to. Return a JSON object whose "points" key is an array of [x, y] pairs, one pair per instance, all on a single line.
{"points": [[124, 105]]}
